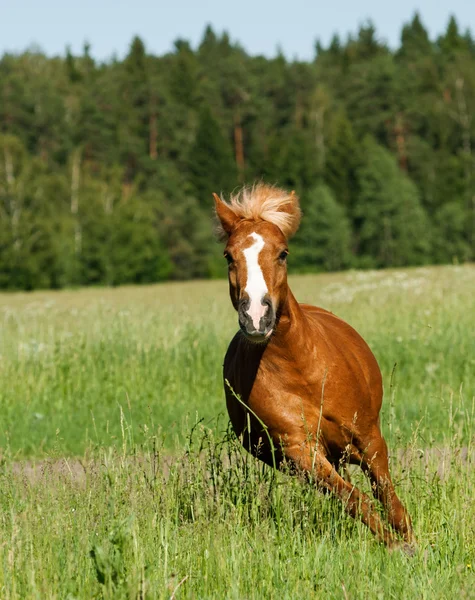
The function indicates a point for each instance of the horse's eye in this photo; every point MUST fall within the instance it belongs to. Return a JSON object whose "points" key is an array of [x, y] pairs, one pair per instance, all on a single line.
{"points": [[228, 257], [283, 255]]}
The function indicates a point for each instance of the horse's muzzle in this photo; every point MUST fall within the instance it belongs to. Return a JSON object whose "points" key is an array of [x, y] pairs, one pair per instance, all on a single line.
{"points": [[264, 318]]}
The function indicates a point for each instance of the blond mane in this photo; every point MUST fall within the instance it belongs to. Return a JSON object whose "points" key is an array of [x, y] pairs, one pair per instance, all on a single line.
{"points": [[261, 202]]}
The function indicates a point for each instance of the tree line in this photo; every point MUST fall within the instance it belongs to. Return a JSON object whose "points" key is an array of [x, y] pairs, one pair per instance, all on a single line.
{"points": [[107, 169]]}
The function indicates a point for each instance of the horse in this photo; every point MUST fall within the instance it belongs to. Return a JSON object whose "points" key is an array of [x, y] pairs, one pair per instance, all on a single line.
{"points": [[302, 387]]}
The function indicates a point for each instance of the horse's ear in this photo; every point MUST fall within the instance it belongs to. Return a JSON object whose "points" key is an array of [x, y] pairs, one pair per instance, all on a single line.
{"points": [[226, 216]]}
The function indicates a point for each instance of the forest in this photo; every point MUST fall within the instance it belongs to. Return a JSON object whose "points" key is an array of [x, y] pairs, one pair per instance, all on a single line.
{"points": [[107, 169]]}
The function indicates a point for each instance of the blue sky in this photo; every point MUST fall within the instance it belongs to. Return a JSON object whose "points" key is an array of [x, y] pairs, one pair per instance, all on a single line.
{"points": [[260, 26]]}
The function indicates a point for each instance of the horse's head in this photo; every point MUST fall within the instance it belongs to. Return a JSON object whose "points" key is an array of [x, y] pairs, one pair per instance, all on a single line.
{"points": [[256, 225]]}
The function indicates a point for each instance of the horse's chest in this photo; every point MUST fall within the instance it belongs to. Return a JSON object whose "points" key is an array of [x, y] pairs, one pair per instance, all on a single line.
{"points": [[289, 401], [257, 426], [270, 408]]}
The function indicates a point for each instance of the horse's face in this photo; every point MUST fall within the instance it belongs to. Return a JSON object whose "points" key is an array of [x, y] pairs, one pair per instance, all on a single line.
{"points": [[257, 259]]}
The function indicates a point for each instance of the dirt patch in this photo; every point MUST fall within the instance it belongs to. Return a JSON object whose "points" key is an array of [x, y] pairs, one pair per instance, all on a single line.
{"points": [[438, 462], [78, 471]]}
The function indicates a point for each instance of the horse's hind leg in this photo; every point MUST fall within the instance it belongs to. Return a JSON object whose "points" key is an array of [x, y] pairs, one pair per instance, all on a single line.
{"points": [[375, 465], [356, 503]]}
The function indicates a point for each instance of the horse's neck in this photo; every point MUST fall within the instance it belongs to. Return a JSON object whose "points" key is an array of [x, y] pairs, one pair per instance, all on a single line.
{"points": [[291, 324]]}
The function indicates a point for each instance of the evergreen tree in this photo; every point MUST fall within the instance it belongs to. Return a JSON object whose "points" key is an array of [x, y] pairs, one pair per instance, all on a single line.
{"points": [[452, 41], [135, 117], [373, 95], [342, 162], [334, 48], [184, 74], [71, 69], [392, 227], [367, 46], [136, 253], [292, 160], [323, 240], [211, 163], [207, 51], [415, 42], [450, 244]]}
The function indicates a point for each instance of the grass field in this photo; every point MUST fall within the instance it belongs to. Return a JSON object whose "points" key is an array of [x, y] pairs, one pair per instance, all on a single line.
{"points": [[116, 379]]}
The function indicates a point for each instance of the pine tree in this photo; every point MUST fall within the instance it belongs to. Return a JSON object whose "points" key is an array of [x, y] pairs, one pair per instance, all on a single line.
{"points": [[450, 223], [372, 96], [415, 42], [211, 162], [323, 240], [207, 50], [71, 68], [136, 253], [392, 227], [342, 161], [367, 45], [184, 75], [135, 117], [452, 41]]}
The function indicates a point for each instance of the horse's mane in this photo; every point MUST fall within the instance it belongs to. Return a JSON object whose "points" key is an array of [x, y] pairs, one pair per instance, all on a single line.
{"points": [[262, 202]]}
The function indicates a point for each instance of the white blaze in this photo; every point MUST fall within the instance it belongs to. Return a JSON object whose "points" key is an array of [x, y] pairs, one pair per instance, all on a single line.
{"points": [[256, 286]]}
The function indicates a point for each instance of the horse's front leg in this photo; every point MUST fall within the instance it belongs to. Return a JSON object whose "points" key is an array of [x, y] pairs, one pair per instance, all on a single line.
{"points": [[356, 503]]}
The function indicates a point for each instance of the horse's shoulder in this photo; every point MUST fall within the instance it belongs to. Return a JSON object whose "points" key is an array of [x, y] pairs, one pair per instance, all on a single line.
{"points": [[323, 317], [342, 337], [310, 309], [330, 323]]}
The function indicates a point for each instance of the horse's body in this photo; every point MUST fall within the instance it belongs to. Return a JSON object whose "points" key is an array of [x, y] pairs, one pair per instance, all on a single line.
{"points": [[309, 391], [303, 374]]}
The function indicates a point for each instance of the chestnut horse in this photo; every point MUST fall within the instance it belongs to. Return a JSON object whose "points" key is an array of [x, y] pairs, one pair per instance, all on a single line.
{"points": [[302, 387]]}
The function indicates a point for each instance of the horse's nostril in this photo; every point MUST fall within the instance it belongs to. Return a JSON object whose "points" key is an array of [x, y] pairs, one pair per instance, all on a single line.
{"points": [[243, 305]]}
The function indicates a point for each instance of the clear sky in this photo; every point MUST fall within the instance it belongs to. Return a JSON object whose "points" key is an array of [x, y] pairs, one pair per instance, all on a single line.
{"points": [[259, 25]]}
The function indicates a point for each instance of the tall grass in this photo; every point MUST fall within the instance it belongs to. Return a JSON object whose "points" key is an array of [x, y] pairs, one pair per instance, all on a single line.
{"points": [[214, 523], [119, 477]]}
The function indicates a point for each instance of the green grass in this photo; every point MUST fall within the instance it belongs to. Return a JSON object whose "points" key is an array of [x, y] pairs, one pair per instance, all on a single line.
{"points": [[119, 378], [70, 360], [123, 526]]}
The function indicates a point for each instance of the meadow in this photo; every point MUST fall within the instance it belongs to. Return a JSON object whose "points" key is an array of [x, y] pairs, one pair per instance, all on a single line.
{"points": [[119, 477]]}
